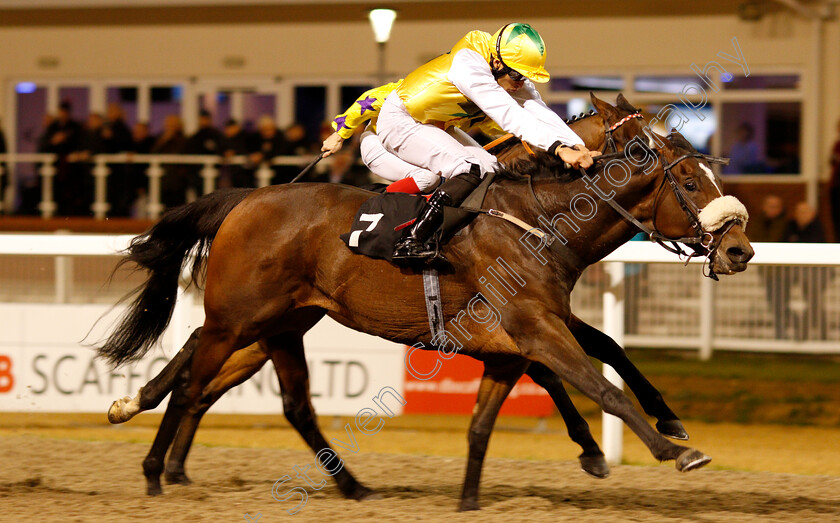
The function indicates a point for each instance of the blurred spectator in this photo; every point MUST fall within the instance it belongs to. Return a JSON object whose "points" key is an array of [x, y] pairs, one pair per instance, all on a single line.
{"points": [[61, 137], [206, 140], [141, 139], [743, 154], [116, 133], [79, 195], [835, 185], [137, 182], [92, 139], [805, 228], [270, 143], [175, 181], [236, 143], [345, 167], [769, 226], [117, 137], [296, 142]]}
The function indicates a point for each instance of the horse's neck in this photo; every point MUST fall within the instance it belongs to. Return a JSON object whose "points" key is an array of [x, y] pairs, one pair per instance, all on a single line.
{"points": [[591, 234]]}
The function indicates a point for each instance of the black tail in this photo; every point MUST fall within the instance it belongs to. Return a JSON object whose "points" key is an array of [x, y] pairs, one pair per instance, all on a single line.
{"points": [[161, 251]]}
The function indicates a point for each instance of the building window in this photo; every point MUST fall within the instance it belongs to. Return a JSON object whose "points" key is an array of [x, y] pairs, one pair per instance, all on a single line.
{"points": [[761, 137]]}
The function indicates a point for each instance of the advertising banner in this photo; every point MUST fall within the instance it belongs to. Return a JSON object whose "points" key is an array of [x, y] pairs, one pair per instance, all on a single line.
{"points": [[45, 366], [453, 389]]}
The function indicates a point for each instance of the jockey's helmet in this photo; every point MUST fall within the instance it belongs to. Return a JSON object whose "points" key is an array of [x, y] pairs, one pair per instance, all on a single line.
{"points": [[521, 48]]}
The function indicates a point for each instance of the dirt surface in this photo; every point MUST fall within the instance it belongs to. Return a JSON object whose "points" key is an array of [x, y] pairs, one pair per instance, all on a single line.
{"points": [[63, 480]]}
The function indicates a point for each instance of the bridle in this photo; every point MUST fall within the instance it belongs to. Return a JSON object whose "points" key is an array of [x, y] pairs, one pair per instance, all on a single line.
{"points": [[703, 243], [609, 141]]}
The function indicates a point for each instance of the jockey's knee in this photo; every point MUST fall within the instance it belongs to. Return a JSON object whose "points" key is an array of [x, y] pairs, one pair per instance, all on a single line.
{"points": [[425, 180]]}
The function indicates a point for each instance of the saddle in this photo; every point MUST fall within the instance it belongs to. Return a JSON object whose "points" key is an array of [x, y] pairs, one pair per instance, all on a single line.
{"points": [[384, 219]]}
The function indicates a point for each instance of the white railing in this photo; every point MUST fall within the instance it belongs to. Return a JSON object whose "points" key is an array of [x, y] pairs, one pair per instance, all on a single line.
{"points": [[154, 172], [799, 255]]}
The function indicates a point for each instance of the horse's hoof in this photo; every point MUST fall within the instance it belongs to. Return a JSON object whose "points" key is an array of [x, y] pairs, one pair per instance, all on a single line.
{"points": [[153, 488], [362, 493], [177, 478], [467, 505], [673, 428], [117, 413], [595, 466], [372, 495], [691, 459]]}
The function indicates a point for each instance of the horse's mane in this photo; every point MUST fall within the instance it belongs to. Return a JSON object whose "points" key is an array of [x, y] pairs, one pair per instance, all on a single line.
{"points": [[539, 166]]}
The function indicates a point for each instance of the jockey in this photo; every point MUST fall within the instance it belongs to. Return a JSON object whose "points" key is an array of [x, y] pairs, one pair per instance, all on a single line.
{"points": [[483, 75], [408, 178]]}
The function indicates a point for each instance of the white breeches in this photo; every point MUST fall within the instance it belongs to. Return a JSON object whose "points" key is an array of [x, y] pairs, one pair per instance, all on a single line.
{"points": [[427, 146], [393, 168]]}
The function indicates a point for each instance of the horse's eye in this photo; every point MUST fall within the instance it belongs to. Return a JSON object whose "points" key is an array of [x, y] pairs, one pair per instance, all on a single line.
{"points": [[690, 186]]}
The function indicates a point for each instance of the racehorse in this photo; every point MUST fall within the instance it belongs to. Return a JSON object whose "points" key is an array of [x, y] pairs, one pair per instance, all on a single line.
{"points": [[289, 288], [245, 362]]}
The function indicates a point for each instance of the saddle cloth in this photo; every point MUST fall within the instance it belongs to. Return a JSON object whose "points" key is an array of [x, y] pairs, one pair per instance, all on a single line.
{"points": [[380, 222]]}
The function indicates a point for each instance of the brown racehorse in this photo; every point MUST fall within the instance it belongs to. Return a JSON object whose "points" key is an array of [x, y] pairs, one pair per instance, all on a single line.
{"points": [[276, 267], [245, 362]]}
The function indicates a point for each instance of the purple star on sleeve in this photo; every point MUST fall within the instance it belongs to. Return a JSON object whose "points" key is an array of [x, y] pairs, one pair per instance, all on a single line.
{"points": [[366, 104], [339, 123]]}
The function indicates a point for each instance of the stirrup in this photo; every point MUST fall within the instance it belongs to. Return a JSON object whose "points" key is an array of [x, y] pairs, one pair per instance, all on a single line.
{"points": [[410, 250]]}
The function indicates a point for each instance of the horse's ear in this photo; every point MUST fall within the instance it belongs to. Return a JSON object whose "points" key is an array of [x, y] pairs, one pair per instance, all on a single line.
{"points": [[680, 141], [604, 109], [622, 103]]}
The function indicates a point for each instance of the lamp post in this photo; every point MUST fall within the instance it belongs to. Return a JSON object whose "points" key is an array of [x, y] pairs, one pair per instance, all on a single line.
{"points": [[381, 20]]}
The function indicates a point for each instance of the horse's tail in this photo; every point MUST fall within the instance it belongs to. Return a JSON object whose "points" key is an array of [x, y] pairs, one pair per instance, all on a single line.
{"points": [[162, 251]]}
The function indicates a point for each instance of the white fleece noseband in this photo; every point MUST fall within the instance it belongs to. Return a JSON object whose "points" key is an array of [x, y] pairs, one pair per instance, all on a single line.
{"points": [[722, 210]]}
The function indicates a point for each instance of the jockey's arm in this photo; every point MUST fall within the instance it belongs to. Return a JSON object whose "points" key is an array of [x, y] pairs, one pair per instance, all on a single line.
{"points": [[532, 102], [472, 76], [365, 108]]}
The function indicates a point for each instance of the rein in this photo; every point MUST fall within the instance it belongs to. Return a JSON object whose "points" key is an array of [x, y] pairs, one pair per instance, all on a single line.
{"points": [[702, 240]]}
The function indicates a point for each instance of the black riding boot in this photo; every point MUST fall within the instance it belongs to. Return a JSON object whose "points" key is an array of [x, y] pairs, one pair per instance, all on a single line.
{"points": [[450, 194]]}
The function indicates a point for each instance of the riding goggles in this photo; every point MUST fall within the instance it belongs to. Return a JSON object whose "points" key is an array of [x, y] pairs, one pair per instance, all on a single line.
{"points": [[515, 75]]}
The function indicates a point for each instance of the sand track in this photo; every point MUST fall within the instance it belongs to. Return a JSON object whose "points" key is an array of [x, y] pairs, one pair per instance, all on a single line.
{"points": [[63, 480]]}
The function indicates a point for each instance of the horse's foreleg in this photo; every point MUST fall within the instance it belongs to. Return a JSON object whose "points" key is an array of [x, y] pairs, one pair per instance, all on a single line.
{"points": [[289, 363], [151, 394], [592, 459], [494, 388], [548, 341], [598, 345], [242, 364]]}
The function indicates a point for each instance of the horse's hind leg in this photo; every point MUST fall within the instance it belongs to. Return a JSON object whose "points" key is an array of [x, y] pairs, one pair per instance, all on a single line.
{"points": [[215, 346], [242, 364], [288, 356], [494, 388], [151, 394], [598, 345], [592, 459], [153, 464]]}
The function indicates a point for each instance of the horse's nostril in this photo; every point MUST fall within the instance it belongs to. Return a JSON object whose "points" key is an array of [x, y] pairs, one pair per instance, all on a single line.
{"points": [[738, 255]]}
